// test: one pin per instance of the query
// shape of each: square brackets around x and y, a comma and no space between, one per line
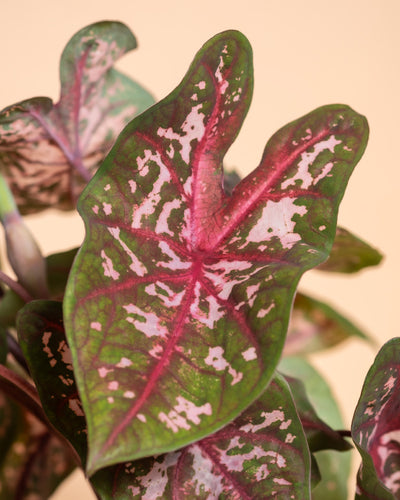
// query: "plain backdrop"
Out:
[306,54]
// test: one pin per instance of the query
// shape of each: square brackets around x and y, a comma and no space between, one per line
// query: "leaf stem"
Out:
[23,392]
[16,351]
[16,287]
[344,433]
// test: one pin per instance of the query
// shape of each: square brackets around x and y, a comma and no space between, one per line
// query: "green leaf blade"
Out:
[262,454]
[177,283]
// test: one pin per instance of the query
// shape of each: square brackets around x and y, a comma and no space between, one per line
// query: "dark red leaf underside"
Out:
[178,302]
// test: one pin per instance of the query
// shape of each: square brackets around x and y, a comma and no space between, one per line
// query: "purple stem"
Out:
[16,287]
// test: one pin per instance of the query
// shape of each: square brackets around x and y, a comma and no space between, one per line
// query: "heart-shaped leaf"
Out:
[48,152]
[376,427]
[178,302]
[314,325]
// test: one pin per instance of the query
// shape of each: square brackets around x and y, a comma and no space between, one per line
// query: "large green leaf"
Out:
[48,152]
[178,302]
[376,427]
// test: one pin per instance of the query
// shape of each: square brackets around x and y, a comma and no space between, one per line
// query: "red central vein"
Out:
[164,360]
[204,174]
[74,157]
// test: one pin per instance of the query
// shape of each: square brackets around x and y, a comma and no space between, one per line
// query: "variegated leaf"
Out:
[262,454]
[376,427]
[48,152]
[42,338]
[350,254]
[314,326]
[178,302]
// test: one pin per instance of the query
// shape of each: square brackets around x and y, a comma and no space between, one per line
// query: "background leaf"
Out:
[334,466]
[314,325]
[376,427]
[178,302]
[350,254]
[320,436]
[48,152]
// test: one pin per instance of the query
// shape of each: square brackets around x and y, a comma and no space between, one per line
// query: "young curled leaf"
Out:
[178,302]
[376,427]
[49,151]
[350,254]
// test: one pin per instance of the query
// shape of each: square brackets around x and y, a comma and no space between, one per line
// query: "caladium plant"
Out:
[153,359]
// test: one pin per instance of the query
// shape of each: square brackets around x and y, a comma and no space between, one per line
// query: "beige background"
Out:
[306,53]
